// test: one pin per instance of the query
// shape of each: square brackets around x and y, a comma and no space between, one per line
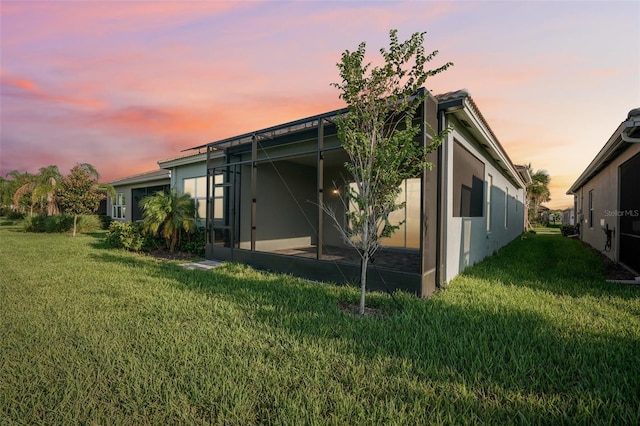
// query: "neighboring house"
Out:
[189,175]
[130,190]
[268,188]
[568,216]
[607,199]
[542,215]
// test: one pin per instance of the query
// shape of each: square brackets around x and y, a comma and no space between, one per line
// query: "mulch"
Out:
[164,254]
[612,270]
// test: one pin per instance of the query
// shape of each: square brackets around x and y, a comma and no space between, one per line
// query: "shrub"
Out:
[125,235]
[105,221]
[59,223]
[129,236]
[50,224]
[11,214]
[34,223]
[88,223]
[567,230]
[194,242]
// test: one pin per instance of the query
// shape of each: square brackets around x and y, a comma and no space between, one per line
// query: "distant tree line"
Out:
[50,193]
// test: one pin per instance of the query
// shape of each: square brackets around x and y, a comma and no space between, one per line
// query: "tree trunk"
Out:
[364,261]
[75,223]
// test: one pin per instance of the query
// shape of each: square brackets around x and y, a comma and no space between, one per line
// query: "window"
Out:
[506,208]
[591,209]
[197,188]
[218,196]
[468,183]
[119,209]
[489,189]
[407,217]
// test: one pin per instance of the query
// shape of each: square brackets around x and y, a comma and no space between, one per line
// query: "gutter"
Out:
[632,123]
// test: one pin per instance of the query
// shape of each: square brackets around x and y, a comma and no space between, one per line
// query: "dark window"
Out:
[591,209]
[468,183]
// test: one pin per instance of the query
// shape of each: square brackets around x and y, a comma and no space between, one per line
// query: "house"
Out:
[188,175]
[607,199]
[261,196]
[267,190]
[130,190]
[542,214]
[568,216]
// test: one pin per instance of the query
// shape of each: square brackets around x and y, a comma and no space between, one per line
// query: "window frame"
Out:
[591,208]
[119,206]
[200,194]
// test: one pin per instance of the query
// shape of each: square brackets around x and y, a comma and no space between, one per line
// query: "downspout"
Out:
[440,216]
[254,185]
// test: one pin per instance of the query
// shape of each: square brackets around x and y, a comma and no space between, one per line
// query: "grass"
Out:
[96,336]
[552,229]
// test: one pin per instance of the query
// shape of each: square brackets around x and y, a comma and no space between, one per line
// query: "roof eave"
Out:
[462,105]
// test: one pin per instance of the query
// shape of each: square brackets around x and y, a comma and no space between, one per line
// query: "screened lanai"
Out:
[266,208]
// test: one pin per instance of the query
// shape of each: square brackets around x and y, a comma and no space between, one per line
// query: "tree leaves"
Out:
[379,134]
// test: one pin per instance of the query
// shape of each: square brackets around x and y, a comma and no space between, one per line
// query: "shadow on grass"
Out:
[497,353]
[550,263]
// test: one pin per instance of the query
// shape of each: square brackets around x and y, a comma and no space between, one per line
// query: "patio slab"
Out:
[203,265]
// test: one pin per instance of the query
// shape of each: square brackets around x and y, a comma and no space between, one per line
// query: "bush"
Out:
[51,224]
[129,236]
[59,223]
[34,223]
[88,223]
[13,215]
[125,235]
[567,230]
[105,221]
[194,242]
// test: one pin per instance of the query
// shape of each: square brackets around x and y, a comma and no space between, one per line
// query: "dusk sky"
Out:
[123,84]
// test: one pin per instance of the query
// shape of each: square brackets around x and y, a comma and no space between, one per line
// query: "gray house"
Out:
[267,188]
[607,198]
[261,197]
[130,190]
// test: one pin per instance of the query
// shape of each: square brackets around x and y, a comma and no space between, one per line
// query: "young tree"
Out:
[80,192]
[168,213]
[379,135]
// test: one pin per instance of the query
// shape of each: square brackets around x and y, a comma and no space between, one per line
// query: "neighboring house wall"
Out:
[568,216]
[188,175]
[129,191]
[605,208]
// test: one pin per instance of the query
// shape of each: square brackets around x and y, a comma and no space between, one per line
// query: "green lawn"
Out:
[546,229]
[96,336]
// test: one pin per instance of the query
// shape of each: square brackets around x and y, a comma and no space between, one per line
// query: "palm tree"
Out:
[168,213]
[42,189]
[538,190]
[22,185]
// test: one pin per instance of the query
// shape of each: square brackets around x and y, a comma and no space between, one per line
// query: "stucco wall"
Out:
[467,240]
[127,190]
[286,213]
[605,186]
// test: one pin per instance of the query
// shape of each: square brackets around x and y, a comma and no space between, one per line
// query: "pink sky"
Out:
[123,84]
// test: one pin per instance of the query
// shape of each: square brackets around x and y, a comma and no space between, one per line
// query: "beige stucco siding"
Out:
[605,187]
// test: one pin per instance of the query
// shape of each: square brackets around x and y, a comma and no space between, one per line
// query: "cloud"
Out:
[29,90]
